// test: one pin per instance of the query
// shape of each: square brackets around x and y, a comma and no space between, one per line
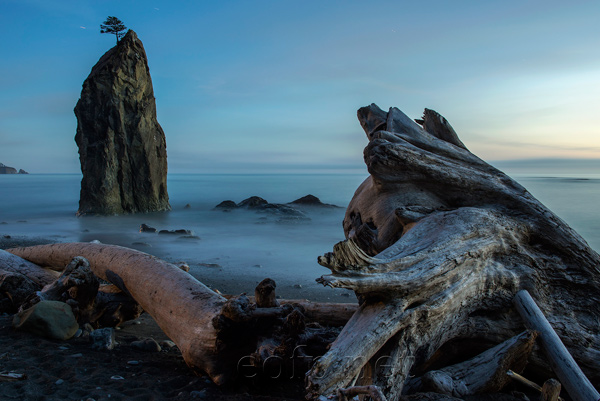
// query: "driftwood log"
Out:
[23,284]
[438,244]
[224,338]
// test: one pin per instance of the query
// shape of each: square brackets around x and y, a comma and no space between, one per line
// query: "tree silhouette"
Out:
[115,26]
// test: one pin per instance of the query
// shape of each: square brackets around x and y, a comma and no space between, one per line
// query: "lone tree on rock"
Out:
[115,26]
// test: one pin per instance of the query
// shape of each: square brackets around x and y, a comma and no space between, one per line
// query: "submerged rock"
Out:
[258,204]
[311,200]
[144,228]
[177,232]
[122,147]
[227,205]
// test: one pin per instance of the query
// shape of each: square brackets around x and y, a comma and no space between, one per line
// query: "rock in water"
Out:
[122,147]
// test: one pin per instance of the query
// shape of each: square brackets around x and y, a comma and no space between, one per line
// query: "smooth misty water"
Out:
[237,249]
[240,248]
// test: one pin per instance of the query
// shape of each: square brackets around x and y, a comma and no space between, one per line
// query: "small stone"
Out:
[95,241]
[7,236]
[133,362]
[144,228]
[187,206]
[148,344]
[78,333]
[167,344]
[175,232]
[297,286]
[79,355]
[103,339]
[259,266]
[116,377]
[59,381]
[189,237]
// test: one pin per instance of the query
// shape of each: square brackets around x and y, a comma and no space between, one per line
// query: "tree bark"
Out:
[438,243]
[214,334]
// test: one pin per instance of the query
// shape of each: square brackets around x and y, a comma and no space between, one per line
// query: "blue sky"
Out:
[273,86]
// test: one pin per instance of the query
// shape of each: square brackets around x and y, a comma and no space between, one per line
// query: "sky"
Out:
[273,86]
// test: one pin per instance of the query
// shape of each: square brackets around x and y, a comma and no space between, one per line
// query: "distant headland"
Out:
[11,170]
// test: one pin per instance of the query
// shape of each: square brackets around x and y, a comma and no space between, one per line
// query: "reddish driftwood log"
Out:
[438,243]
[213,333]
[181,305]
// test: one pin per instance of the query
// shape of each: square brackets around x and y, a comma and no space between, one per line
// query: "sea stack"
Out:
[122,147]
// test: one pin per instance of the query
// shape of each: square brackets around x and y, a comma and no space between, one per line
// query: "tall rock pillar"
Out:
[122,147]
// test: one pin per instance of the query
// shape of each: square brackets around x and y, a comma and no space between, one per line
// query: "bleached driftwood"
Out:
[14,264]
[214,334]
[438,243]
[484,373]
[577,385]
[19,279]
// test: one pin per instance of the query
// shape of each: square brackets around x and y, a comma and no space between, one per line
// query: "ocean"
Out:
[238,249]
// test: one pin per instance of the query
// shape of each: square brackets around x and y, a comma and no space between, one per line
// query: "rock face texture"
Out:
[122,147]
[4,169]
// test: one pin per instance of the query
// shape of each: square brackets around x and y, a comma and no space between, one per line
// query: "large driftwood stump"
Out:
[438,244]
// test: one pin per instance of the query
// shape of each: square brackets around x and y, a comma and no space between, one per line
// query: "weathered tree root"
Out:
[438,243]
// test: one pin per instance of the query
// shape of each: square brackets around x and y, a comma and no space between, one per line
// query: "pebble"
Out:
[148,344]
[62,347]
[103,339]
[167,344]
[78,333]
[133,362]
[297,286]
[59,381]
[117,377]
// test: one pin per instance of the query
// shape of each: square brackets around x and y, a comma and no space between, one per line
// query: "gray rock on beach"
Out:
[103,339]
[51,319]
[148,344]
[122,147]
